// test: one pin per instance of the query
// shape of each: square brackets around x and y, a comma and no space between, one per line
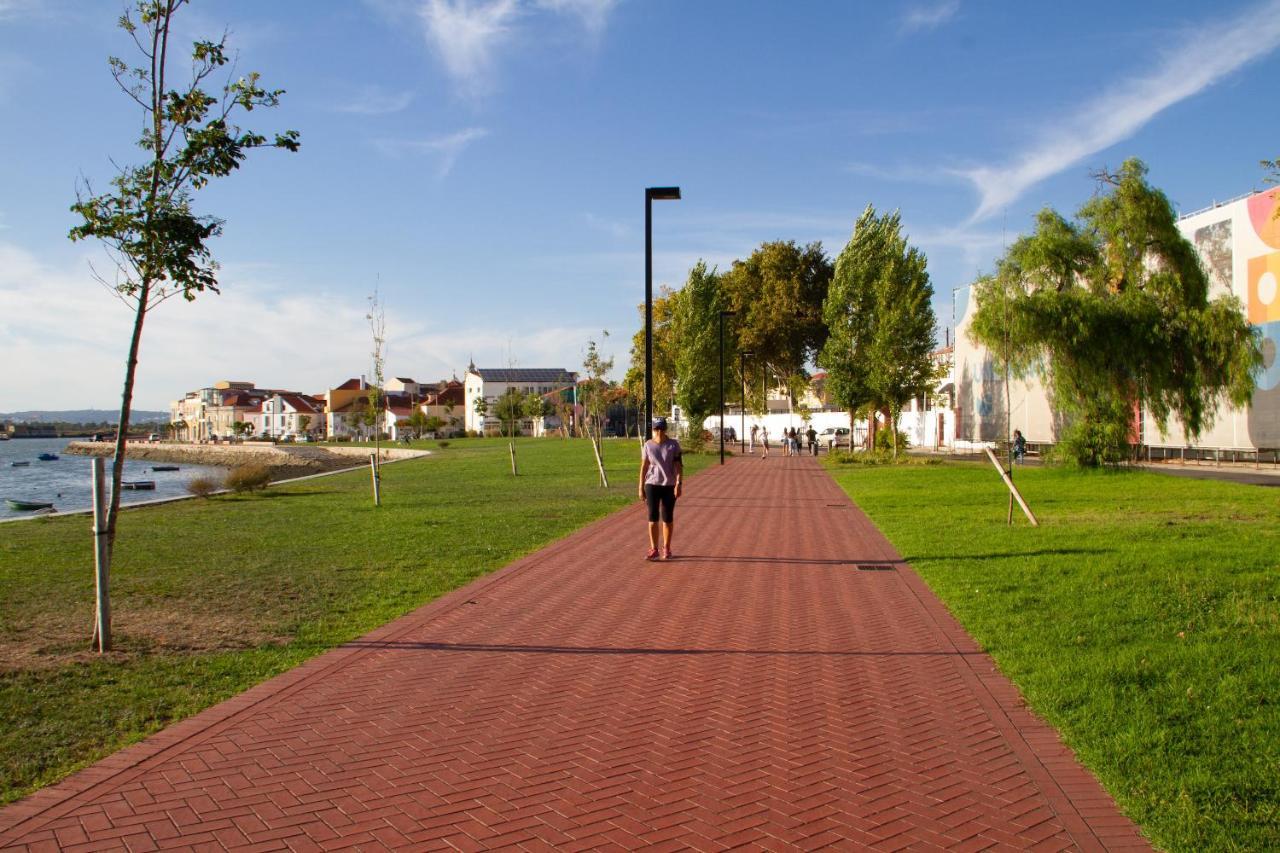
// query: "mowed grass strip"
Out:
[212,596]
[1142,619]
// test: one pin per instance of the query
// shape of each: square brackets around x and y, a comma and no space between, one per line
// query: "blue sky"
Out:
[483,163]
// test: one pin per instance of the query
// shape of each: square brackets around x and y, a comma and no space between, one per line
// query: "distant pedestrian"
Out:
[661,481]
[812,435]
[751,443]
[764,442]
[1019,446]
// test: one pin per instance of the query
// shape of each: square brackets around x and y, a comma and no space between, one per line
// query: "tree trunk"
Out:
[101,638]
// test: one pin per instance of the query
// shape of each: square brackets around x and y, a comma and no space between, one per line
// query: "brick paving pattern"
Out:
[785,683]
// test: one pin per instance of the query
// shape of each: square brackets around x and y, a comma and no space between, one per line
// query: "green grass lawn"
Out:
[1142,619]
[213,596]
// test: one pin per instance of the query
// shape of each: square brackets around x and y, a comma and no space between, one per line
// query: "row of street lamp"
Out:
[652,194]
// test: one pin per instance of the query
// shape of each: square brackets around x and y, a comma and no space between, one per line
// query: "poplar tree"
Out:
[880,321]
[146,220]
[1112,310]
[695,330]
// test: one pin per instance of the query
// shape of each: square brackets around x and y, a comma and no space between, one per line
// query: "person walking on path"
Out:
[812,435]
[751,442]
[764,442]
[1019,446]
[661,481]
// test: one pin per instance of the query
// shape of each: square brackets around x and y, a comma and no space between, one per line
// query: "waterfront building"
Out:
[490,383]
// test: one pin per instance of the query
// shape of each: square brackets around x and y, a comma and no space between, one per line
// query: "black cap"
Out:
[660,423]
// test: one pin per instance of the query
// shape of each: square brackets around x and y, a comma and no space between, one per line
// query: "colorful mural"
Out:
[1263,307]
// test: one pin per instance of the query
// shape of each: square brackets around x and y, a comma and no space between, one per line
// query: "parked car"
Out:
[833,437]
[155,436]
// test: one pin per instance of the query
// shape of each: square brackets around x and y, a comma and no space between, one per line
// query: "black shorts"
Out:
[664,496]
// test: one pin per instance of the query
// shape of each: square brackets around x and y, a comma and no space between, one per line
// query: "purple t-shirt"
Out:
[662,462]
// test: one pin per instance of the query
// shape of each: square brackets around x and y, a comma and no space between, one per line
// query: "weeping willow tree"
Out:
[1113,311]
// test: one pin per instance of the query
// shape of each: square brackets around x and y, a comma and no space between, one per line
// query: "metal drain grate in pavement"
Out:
[876,567]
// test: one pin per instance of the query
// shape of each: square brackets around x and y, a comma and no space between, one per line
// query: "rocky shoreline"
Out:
[283,460]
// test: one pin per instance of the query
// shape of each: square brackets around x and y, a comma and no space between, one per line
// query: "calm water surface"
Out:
[68,482]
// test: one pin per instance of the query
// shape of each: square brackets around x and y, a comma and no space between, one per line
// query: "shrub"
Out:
[202,487]
[247,478]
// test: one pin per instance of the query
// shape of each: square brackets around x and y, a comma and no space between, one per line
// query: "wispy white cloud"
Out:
[56,322]
[13,9]
[467,36]
[928,16]
[593,14]
[607,226]
[904,174]
[1203,57]
[445,148]
[374,100]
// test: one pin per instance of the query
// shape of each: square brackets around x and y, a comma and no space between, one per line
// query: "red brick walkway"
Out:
[762,690]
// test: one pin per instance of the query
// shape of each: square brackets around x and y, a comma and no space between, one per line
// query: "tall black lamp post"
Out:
[743,355]
[723,314]
[661,194]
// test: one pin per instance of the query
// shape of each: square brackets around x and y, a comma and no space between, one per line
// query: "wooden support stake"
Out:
[101,560]
[1013,490]
[604,480]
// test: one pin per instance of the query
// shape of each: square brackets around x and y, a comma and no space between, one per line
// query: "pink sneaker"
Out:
[652,555]
[667,555]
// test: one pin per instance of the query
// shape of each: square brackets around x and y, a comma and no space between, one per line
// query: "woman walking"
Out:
[661,481]
[764,442]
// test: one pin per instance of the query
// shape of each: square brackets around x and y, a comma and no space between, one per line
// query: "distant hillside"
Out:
[82,416]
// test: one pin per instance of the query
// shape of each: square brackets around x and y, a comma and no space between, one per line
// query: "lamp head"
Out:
[663,193]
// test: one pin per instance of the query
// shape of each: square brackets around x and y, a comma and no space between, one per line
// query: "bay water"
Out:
[67,482]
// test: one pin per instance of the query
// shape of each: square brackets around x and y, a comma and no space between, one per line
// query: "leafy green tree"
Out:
[664,355]
[146,220]
[304,422]
[880,321]
[778,294]
[1113,311]
[241,428]
[695,331]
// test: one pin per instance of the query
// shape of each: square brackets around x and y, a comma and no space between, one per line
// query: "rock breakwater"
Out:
[283,460]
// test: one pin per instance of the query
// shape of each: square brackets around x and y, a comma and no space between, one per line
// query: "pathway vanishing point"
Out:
[786,683]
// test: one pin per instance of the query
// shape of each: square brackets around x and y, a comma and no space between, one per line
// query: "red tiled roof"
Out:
[349,385]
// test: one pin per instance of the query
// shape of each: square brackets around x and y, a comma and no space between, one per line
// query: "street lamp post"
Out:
[742,371]
[723,314]
[662,194]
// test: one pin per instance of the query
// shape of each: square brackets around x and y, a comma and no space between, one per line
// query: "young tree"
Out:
[146,220]
[241,428]
[1113,311]
[595,400]
[304,422]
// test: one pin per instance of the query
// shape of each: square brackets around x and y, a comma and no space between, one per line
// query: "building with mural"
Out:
[1239,245]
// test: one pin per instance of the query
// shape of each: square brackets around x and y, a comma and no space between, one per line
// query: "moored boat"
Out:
[48,457]
[164,468]
[139,485]
[21,464]
[27,506]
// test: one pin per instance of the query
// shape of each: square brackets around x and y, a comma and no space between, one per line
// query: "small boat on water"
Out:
[164,468]
[139,485]
[22,464]
[48,457]
[27,506]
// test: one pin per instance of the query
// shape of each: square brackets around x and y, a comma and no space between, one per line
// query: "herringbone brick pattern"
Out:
[761,691]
